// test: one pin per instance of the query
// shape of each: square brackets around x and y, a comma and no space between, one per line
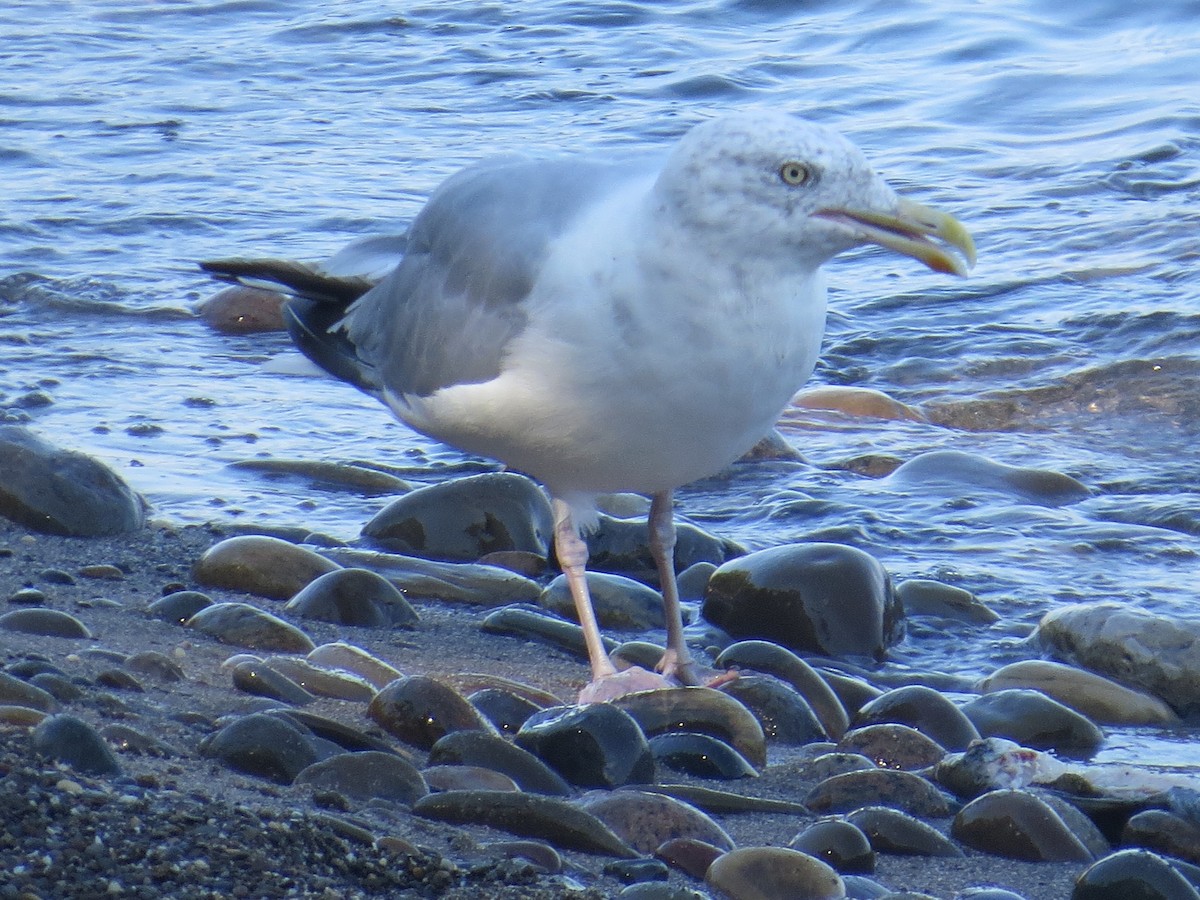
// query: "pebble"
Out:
[1133,875]
[465,518]
[74,742]
[353,597]
[503,708]
[340,655]
[924,597]
[924,709]
[1034,720]
[955,470]
[688,855]
[892,831]
[893,746]
[537,625]
[480,748]
[260,565]
[338,475]
[102,572]
[901,790]
[853,693]
[419,710]
[179,606]
[1101,699]
[263,746]
[22,716]
[243,625]
[130,740]
[322,681]
[1163,832]
[450,582]
[467,778]
[783,713]
[539,853]
[28,597]
[16,692]
[47,622]
[716,801]
[1018,825]
[262,681]
[770,873]
[838,844]
[157,665]
[121,681]
[1148,651]
[60,687]
[620,603]
[698,709]
[700,755]
[598,745]
[528,815]
[347,737]
[773,659]
[836,763]
[646,820]
[243,310]
[812,598]
[62,492]
[622,545]
[368,775]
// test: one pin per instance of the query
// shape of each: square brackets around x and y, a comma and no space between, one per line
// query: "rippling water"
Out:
[138,137]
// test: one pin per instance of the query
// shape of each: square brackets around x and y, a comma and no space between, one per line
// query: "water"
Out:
[136,138]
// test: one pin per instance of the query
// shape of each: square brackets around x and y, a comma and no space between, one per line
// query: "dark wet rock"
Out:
[621,604]
[1101,699]
[479,748]
[62,492]
[119,680]
[243,310]
[419,710]
[924,597]
[125,739]
[634,871]
[658,890]
[637,653]
[74,742]
[322,681]
[893,746]
[262,681]
[353,597]
[698,709]
[263,746]
[366,776]
[1163,832]
[716,801]
[16,692]
[426,579]
[28,668]
[504,709]
[688,855]
[892,831]
[1017,825]
[646,820]
[924,709]
[1133,875]
[814,598]
[784,714]
[762,872]
[538,625]
[772,659]
[622,545]
[836,843]
[243,625]
[692,581]
[700,755]
[1149,651]
[179,606]
[337,475]
[340,655]
[466,518]
[260,565]
[529,815]
[469,682]
[47,622]
[901,790]
[1033,720]
[1077,821]
[467,778]
[344,736]
[156,665]
[943,471]
[854,693]
[598,745]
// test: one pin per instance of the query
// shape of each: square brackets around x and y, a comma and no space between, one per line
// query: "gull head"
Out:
[771,186]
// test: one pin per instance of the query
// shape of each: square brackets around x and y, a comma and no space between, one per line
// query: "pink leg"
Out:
[677,661]
[572,553]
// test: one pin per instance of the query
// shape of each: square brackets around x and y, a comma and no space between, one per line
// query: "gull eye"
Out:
[795,173]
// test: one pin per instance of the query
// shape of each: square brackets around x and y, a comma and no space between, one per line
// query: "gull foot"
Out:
[627,681]
[691,674]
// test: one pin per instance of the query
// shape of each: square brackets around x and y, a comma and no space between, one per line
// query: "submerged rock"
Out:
[959,471]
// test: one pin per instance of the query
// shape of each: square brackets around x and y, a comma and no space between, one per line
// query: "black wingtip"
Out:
[311,324]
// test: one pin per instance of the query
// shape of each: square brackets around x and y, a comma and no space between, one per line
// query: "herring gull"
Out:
[613,326]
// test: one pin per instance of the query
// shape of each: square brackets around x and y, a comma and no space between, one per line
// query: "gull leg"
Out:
[607,683]
[572,553]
